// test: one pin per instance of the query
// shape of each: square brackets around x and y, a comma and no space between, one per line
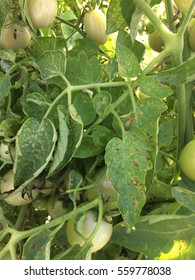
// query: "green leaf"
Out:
[184,193]
[5,7]
[128,9]
[7,55]
[101,102]
[62,143]
[35,106]
[9,128]
[75,126]
[35,247]
[184,73]
[88,148]
[128,161]
[115,19]
[152,108]
[152,87]
[128,65]
[5,85]
[73,4]
[35,144]
[83,70]
[84,106]
[102,135]
[161,237]
[166,133]
[52,64]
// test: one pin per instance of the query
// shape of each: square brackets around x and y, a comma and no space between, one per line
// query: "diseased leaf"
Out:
[5,7]
[115,19]
[35,247]
[35,106]
[83,70]
[182,74]
[161,237]
[152,87]
[101,102]
[84,106]
[52,64]
[35,144]
[128,161]
[128,65]
[5,85]
[62,143]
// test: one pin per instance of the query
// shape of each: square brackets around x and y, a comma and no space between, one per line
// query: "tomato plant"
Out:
[97,122]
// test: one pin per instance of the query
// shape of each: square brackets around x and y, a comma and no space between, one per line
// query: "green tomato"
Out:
[155,41]
[5,152]
[95,26]
[15,37]
[101,237]
[55,207]
[183,5]
[41,12]
[40,203]
[15,198]
[187,160]
[192,38]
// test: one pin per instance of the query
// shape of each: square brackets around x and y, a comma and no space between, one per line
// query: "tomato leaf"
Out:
[162,237]
[84,106]
[62,143]
[35,144]
[75,126]
[5,85]
[115,19]
[179,75]
[35,106]
[152,87]
[88,148]
[101,102]
[128,161]
[184,193]
[35,247]
[52,64]
[82,70]
[5,7]
[128,65]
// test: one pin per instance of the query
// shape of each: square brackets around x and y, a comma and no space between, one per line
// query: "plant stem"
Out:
[170,14]
[21,216]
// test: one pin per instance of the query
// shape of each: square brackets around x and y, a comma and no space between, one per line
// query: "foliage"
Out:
[70,107]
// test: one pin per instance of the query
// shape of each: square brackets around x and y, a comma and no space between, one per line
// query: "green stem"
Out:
[119,123]
[21,216]
[17,236]
[170,14]
[76,27]
[159,58]
[186,20]
[151,15]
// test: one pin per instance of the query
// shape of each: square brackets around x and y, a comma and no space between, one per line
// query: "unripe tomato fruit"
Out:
[155,41]
[15,37]
[183,5]
[55,207]
[95,26]
[101,237]
[42,12]
[192,35]
[16,199]
[5,153]
[187,160]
